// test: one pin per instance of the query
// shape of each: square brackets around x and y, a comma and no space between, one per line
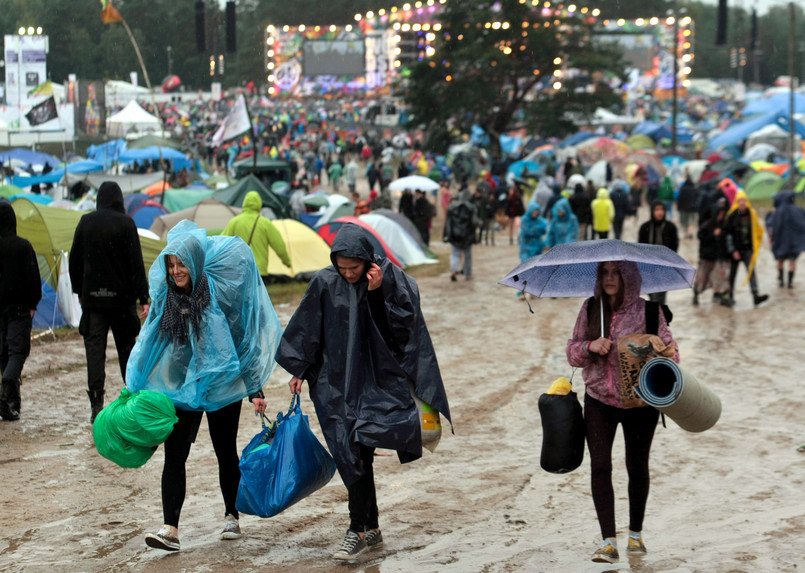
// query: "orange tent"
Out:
[156,188]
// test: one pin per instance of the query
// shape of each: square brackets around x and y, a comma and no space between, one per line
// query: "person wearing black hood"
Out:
[108,275]
[20,292]
[359,339]
[658,231]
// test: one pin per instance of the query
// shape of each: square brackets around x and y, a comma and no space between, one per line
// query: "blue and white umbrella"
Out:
[570,270]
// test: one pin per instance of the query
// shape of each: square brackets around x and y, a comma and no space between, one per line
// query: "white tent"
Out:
[131,117]
[397,238]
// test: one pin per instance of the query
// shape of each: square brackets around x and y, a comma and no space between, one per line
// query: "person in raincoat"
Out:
[786,225]
[209,342]
[564,226]
[603,213]
[359,339]
[533,228]
[258,232]
[744,237]
[617,291]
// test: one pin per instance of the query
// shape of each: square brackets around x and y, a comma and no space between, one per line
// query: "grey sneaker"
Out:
[162,539]
[231,528]
[373,538]
[607,553]
[351,547]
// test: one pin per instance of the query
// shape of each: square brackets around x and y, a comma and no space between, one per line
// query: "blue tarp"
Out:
[510,145]
[48,314]
[576,138]
[28,156]
[108,153]
[153,154]
[736,134]
[84,166]
[777,102]
[660,131]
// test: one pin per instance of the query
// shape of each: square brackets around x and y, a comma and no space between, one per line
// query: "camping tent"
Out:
[234,194]
[736,134]
[50,231]
[339,206]
[131,117]
[330,230]
[146,212]
[406,224]
[177,199]
[307,250]
[396,237]
[210,214]
[775,103]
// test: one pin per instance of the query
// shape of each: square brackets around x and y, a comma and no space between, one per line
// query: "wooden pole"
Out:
[791,86]
[153,102]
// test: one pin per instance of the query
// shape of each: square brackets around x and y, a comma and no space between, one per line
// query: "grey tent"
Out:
[234,194]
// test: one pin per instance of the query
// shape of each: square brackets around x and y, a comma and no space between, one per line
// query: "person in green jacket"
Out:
[258,232]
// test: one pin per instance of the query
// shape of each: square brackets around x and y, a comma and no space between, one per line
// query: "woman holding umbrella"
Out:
[594,347]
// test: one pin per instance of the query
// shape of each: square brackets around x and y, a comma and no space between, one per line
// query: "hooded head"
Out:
[532,210]
[352,243]
[784,197]
[631,282]
[602,193]
[657,210]
[188,245]
[561,210]
[8,219]
[252,202]
[110,197]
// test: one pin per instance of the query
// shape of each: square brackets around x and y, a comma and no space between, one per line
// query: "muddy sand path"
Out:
[729,499]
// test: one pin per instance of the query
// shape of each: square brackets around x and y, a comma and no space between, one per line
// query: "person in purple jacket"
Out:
[617,288]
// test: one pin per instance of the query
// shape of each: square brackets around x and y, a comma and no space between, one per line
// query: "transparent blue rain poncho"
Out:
[232,354]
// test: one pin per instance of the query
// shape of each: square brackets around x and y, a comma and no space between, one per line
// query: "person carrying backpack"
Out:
[459,231]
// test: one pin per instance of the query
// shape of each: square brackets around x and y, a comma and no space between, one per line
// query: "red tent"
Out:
[329,230]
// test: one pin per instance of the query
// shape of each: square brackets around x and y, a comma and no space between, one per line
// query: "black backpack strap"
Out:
[653,316]
[590,302]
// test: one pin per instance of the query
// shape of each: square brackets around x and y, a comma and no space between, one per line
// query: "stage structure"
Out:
[368,55]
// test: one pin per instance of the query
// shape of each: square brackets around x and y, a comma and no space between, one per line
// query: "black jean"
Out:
[362,496]
[94,327]
[601,422]
[223,425]
[15,346]
[746,258]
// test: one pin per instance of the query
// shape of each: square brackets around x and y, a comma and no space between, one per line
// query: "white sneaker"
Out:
[231,528]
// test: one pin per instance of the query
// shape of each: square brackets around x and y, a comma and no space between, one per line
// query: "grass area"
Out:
[290,292]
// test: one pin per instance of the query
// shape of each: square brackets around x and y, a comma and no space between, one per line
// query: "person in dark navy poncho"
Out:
[359,339]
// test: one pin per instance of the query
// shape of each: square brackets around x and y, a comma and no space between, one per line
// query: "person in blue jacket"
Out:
[209,342]
[564,227]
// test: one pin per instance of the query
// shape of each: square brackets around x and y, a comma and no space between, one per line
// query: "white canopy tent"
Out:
[131,118]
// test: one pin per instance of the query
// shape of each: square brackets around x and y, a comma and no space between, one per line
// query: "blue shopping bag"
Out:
[282,464]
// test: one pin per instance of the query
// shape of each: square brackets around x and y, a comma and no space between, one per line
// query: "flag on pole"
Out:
[43,112]
[236,123]
[45,88]
[109,13]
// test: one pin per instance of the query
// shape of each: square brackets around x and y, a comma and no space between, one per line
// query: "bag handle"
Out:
[294,405]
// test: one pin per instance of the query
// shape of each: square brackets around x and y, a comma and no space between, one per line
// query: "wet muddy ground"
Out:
[725,500]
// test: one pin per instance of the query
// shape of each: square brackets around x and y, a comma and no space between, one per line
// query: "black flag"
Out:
[42,113]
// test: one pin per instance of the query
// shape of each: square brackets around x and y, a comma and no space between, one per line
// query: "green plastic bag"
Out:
[129,429]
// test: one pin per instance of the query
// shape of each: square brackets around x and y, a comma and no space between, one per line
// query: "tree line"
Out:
[83,45]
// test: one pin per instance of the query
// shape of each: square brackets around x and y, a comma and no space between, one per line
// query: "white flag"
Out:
[236,123]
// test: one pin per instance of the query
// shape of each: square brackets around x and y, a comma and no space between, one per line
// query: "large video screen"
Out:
[638,49]
[334,57]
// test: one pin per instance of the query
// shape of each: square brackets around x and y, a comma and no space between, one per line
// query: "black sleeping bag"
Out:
[562,433]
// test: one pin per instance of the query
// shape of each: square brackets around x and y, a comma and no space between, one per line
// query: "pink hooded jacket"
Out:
[602,374]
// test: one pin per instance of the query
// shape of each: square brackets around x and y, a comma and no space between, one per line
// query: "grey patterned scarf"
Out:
[180,307]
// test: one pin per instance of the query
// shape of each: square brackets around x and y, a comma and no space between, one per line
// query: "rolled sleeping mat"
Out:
[667,386]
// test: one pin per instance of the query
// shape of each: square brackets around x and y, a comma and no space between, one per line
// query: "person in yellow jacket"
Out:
[258,232]
[603,214]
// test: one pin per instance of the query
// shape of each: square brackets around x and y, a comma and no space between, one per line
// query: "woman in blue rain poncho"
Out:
[208,342]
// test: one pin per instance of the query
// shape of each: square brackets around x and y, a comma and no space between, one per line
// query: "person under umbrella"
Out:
[594,348]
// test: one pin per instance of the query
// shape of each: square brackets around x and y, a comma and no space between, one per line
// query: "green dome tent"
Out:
[50,231]
[234,194]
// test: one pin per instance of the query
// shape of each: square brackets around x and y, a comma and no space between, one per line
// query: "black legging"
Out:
[223,425]
[601,422]
[362,496]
